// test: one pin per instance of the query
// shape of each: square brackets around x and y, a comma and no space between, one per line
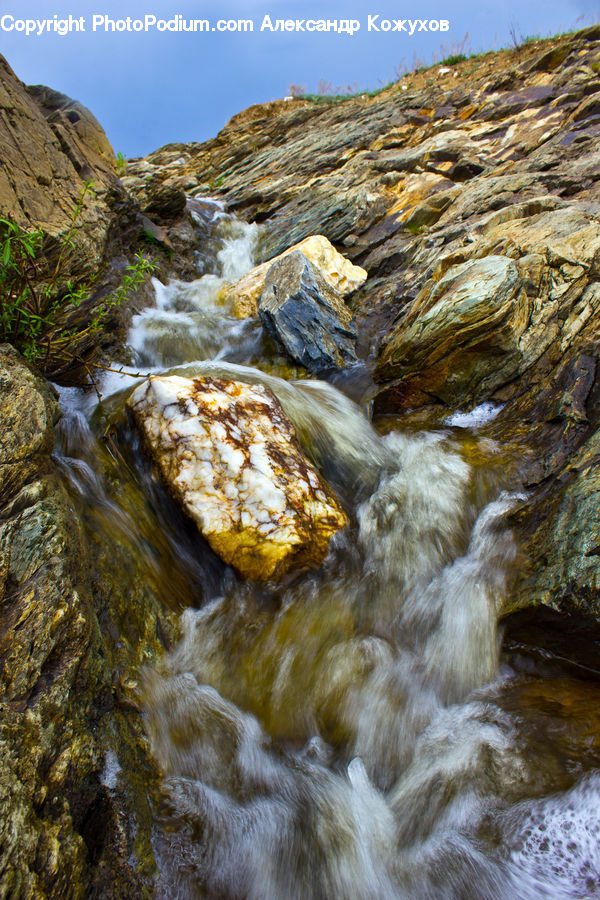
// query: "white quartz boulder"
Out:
[230,456]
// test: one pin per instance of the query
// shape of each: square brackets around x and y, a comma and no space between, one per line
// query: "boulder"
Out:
[338,272]
[461,337]
[50,147]
[165,203]
[230,457]
[306,317]
[563,543]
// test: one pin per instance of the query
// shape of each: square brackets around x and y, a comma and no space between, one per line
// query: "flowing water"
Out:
[355,732]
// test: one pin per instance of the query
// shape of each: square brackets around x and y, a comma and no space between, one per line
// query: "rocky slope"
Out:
[472,199]
[59,175]
[471,195]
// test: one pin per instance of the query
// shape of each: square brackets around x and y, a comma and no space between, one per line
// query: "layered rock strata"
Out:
[471,195]
[306,317]
[73,633]
[338,272]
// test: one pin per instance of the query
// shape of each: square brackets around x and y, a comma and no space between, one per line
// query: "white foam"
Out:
[110,773]
[556,842]
[476,418]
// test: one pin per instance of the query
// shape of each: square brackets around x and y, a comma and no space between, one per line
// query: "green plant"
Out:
[135,275]
[121,162]
[453,60]
[38,308]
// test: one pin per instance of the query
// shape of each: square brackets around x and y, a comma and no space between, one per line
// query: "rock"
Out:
[59,177]
[305,316]
[81,134]
[47,139]
[565,547]
[29,410]
[230,456]
[435,352]
[337,271]
[165,204]
[62,831]
[420,182]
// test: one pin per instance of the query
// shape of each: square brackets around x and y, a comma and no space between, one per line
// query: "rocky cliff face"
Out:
[74,630]
[471,195]
[52,147]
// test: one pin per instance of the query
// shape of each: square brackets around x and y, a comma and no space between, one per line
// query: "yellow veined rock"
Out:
[230,456]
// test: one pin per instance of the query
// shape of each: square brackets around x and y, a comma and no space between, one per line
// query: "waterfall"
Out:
[344,734]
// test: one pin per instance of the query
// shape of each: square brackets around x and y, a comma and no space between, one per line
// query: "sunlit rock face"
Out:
[338,272]
[230,456]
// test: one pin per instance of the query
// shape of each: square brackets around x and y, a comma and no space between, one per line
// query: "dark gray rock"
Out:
[165,203]
[306,317]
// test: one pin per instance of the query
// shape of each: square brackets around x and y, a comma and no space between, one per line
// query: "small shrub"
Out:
[37,307]
[121,162]
[453,60]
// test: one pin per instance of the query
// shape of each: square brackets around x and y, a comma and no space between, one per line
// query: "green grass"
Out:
[454,60]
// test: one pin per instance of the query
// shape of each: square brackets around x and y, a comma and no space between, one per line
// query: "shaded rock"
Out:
[465,169]
[62,831]
[165,204]
[230,456]
[461,335]
[337,271]
[306,317]
[29,410]
[564,548]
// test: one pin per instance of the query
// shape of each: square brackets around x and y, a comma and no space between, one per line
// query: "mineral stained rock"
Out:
[305,316]
[229,455]
[337,271]
[62,831]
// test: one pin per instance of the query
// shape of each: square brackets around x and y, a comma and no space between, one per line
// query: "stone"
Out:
[165,204]
[435,351]
[62,831]
[564,547]
[49,139]
[230,456]
[337,271]
[305,317]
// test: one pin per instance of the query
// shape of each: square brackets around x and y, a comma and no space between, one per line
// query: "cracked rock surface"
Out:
[229,454]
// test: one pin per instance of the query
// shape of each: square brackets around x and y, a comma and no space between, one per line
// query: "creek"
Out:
[359,731]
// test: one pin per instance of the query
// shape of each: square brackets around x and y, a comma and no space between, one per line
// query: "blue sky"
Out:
[150,89]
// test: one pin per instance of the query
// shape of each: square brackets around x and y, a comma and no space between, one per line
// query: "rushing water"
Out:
[353,732]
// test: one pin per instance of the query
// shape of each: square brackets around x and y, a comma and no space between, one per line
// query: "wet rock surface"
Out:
[306,317]
[487,165]
[338,272]
[473,202]
[229,455]
[65,830]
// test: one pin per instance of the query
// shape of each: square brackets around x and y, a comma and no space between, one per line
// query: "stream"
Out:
[359,731]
